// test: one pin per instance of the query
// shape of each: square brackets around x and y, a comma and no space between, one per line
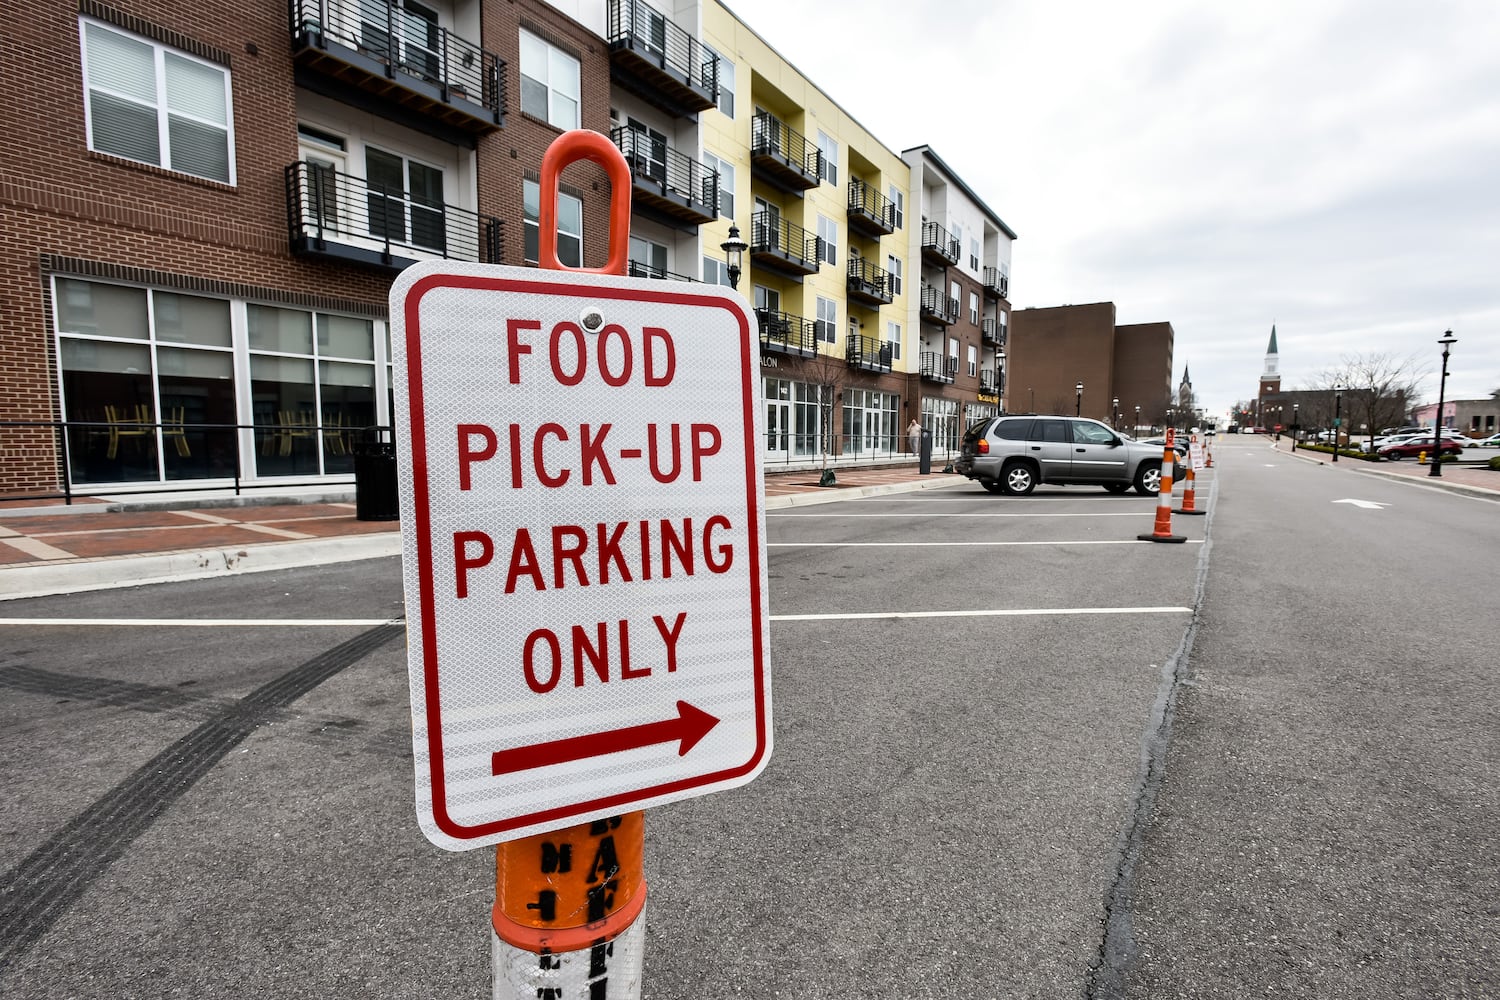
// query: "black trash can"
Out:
[924,458]
[375,494]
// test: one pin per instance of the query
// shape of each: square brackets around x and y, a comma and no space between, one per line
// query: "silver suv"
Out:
[1012,454]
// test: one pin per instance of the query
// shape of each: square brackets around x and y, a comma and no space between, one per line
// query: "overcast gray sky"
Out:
[1330,166]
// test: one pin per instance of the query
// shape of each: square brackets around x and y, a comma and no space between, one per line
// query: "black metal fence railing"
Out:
[938,367]
[865,200]
[678,51]
[636,269]
[770,136]
[674,171]
[787,331]
[990,381]
[325,206]
[772,233]
[937,306]
[868,352]
[176,456]
[865,277]
[997,279]
[406,42]
[939,242]
[843,449]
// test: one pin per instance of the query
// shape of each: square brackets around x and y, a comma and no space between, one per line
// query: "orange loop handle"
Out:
[569,148]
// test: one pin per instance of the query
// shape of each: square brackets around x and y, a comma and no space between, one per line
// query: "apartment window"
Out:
[953,300]
[549,82]
[153,104]
[726,82]
[569,225]
[827,321]
[973,254]
[958,237]
[973,361]
[893,265]
[828,240]
[404,200]
[952,355]
[715,271]
[647,258]
[893,337]
[726,183]
[974,308]
[829,169]
[899,201]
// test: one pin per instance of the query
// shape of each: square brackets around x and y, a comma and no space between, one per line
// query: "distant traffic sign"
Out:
[579,461]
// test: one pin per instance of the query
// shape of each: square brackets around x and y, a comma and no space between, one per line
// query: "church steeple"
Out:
[1270,378]
[1271,348]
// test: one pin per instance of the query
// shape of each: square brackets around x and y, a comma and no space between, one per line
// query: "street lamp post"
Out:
[1031,408]
[1114,408]
[1296,425]
[1000,377]
[1338,402]
[734,255]
[1448,340]
[1078,405]
[1137,429]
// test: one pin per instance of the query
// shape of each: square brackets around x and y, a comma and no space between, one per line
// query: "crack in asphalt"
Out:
[1117,948]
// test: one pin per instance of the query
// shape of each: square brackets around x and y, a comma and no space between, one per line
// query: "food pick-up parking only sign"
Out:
[584,554]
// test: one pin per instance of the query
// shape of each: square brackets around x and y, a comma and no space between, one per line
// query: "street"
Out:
[1018,753]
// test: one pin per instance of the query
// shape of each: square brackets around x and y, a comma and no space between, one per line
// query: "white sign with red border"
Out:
[584,545]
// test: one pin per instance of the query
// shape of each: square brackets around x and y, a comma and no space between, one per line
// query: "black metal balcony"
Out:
[990,381]
[637,269]
[938,368]
[937,308]
[395,63]
[996,283]
[787,333]
[651,56]
[782,156]
[938,245]
[992,332]
[870,212]
[666,182]
[868,283]
[868,353]
[330,214]
[782,245]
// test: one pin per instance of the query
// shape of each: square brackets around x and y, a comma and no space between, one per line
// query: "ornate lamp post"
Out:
[1000,377]
[1338,402]
[1114,407]
[1137,429]
[1296,425]
[1448,340]
[1078,405]
[734,255]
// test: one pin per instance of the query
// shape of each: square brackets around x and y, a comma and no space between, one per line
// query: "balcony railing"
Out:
[868,283]
[990,381]
[782,245]
[992,332]
[938,308]
[787,333]
[393,56]
[937,367]
[997,282]
[336,215]
[868,353]
[782,156]
[870,212]
[658,60]
[938,245]
[637,269]
[666,181]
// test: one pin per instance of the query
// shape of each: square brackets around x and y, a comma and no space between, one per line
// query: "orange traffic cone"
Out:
[1188,492]
[1163,529]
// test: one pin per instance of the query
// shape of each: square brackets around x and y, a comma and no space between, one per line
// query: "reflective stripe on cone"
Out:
[1163,528]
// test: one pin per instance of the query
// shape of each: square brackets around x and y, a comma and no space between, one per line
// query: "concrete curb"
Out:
[856,492]
[1365,468]
[76,576]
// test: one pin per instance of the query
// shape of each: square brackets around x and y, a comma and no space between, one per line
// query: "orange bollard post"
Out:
[1163,528]
[568,904]
[1188,492]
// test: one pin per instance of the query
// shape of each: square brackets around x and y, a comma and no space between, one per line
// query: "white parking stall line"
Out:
[968,544]
[210,622]
[983,613]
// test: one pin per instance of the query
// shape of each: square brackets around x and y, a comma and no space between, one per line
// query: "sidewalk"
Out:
[101,542]
[1475,480]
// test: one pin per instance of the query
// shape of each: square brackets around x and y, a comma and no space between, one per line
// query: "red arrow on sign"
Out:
[690,726]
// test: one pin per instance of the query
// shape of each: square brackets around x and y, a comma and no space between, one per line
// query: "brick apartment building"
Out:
[1055,350]
[202,230]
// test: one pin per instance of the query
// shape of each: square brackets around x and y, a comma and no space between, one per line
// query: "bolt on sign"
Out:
[583,545]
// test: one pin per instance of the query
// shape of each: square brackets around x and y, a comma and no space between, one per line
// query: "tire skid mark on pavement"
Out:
[42,888]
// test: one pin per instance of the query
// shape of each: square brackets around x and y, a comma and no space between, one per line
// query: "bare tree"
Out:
[1378,388]
[826,371]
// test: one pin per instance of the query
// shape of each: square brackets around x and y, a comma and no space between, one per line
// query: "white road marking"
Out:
[1365,504]
[920,545]
[210,622]
[990,613]
[1117,513]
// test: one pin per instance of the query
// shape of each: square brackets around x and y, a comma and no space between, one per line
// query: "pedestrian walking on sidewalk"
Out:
[914,435]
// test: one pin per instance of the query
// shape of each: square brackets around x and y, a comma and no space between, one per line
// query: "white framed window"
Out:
[893,337]
[648,257]
[898,200]
[550,88]
[404,202]
[726,82]
[147,102]
[974,308]
[715,271]
[726,182]
[953,300]
[893,265]
[973,361]
[828,240]
[952,355]
[826,324]
[973,254]
[829,168]
[569,225]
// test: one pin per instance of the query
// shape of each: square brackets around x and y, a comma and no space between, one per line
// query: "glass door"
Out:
[778,419]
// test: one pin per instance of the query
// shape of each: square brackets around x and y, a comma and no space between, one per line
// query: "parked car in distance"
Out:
[1493,441]
[1412,447]
[1179,445]
[1013,454]
[1462,440]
